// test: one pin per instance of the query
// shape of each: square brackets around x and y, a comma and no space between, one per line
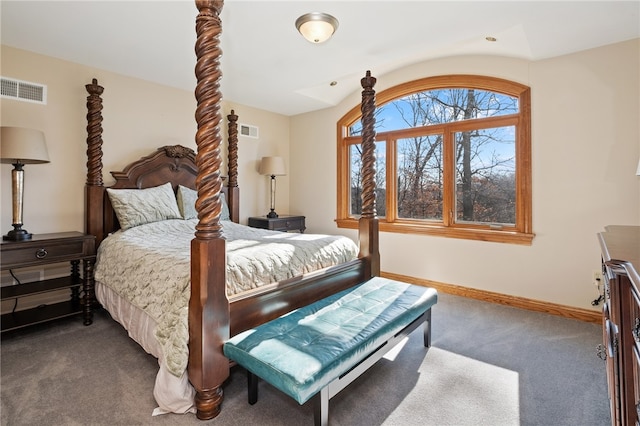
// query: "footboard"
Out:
[253,308]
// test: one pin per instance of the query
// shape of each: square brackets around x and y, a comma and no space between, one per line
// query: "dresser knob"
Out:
[41,253]
[636,330]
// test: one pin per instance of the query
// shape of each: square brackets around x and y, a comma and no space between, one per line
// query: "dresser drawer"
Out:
[634,312]
[636,380]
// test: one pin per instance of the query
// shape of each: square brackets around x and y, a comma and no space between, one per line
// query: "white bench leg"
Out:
[321,407]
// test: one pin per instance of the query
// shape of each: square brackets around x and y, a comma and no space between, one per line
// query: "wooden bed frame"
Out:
[213,317]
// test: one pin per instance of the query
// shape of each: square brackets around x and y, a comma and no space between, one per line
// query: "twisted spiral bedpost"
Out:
[233,148]
[94,187]
[368,146]
[94,133]
[232,165]
[208,305]
[208,117]
[368,224]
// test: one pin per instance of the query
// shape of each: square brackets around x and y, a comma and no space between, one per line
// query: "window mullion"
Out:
[448,176]
[392,180]
[344,179]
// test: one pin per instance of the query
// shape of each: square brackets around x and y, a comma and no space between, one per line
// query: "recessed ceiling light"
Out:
[333,83]
[491,38]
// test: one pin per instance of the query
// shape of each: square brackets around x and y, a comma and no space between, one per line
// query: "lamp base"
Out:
[17,234]
[272,214]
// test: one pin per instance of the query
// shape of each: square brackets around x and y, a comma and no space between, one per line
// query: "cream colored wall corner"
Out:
[139,116]
[586,145]
[273,140]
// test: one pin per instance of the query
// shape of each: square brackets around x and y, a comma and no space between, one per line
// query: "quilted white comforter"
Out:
[150,266]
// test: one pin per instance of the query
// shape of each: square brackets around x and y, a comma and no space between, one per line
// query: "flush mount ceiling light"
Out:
[317,27]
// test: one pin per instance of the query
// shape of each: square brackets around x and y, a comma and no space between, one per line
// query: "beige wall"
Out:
[139,117]
[586,146]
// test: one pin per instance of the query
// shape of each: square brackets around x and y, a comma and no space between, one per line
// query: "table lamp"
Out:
[272,166]
[20,146]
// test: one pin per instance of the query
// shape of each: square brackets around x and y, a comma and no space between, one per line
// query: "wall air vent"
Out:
[24,90]
[248,131]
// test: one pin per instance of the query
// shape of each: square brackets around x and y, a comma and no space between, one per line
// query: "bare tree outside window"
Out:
[356,180]
[420,184]
[450,156]
[485,175]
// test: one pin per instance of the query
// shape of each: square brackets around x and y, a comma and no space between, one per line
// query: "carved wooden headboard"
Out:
[175,164]
[172,163]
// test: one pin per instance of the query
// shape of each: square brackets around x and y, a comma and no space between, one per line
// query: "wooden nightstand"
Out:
[44,249]
[281,223]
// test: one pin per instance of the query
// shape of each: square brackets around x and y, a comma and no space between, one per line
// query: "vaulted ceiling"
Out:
[268,65]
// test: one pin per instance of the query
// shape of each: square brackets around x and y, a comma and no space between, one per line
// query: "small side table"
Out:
[44,249]
[282,223]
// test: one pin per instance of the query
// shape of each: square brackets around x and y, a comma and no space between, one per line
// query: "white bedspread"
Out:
[150,266]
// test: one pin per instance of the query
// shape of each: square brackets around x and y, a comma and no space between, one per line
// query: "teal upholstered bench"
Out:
[319,349]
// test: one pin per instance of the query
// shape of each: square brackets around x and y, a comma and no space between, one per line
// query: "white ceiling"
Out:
[266,64]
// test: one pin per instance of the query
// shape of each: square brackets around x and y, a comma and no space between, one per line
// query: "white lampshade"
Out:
[317,27]
[21,145]
[272,166]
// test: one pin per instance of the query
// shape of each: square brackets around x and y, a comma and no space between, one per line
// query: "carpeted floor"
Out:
[489,365]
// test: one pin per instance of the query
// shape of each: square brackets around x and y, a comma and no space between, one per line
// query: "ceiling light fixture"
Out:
[317,27]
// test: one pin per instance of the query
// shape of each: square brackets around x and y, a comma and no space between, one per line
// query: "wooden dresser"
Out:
[620,247]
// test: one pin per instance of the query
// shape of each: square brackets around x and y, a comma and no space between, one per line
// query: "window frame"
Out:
[520,233]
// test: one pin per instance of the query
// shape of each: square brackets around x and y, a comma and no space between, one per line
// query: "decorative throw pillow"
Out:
[187,203]
[224,214]
[134,207]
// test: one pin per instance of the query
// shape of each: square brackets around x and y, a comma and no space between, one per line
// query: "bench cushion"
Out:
[304,350]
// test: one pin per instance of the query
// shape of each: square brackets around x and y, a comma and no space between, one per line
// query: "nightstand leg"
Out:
[75,278]
[88,287]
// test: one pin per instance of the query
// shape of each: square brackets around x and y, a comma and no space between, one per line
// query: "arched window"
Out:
[453,159]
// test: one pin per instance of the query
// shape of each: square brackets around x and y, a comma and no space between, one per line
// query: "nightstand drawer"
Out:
[281,223]
[42,250]
[288,224]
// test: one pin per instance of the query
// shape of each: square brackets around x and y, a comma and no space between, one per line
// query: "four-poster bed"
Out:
[214,315]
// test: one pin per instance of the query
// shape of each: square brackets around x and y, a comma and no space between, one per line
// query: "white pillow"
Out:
[134,207]
[187,203]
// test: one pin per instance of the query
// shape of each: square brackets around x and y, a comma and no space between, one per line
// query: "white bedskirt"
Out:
[172,394]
